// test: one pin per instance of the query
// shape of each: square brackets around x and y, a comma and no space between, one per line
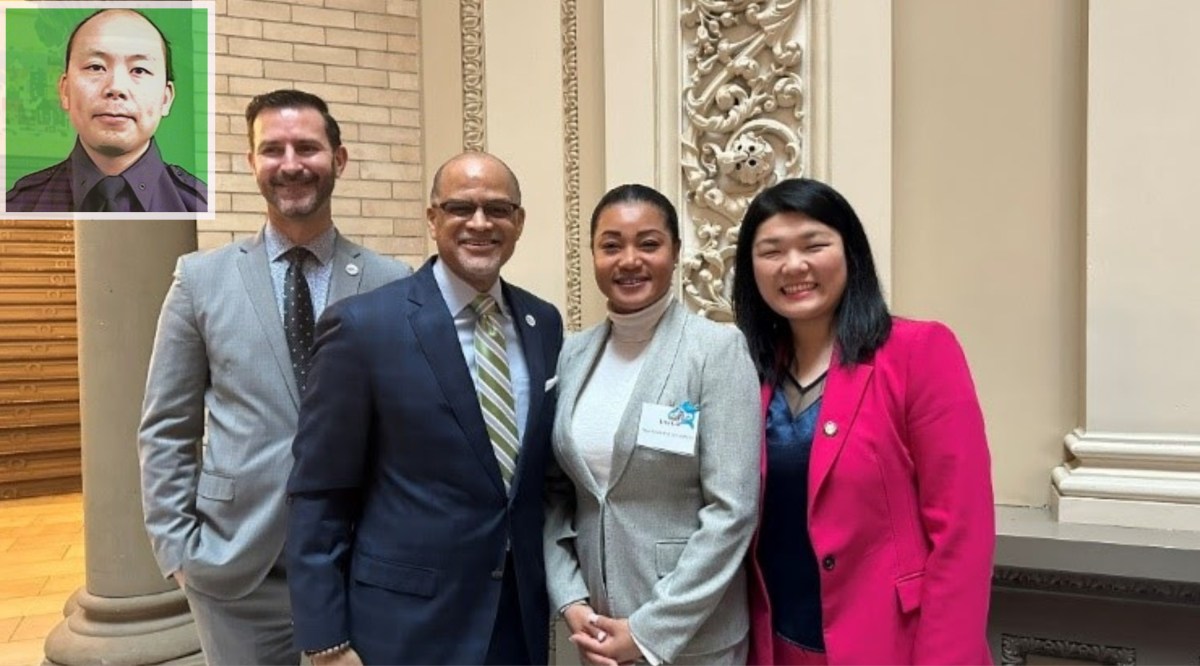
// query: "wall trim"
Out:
[1015,649]
[1097,585]
[474,105]
[1150,480]
[1149,451]
[570,81]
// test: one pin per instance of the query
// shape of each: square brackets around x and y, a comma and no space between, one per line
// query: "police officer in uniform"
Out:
[116,87]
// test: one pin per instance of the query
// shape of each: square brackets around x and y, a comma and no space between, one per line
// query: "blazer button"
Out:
[830,428]
[828,563]
[498,574]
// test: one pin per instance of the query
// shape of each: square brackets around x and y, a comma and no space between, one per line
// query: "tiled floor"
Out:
[41,564]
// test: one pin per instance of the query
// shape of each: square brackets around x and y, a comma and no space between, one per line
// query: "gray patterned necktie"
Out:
[298,318]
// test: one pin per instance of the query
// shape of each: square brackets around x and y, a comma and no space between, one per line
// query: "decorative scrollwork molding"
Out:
[1113,587]
[471,22]
[745,113]
[1015,649]
[570,81]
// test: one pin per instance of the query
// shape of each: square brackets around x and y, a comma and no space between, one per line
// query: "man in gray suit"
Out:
[230,363]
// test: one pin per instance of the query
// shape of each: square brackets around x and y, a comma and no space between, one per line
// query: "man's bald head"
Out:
[471,156]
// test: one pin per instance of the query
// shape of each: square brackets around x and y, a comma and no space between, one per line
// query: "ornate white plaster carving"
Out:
[570,80]
[1097,585]
[471,22]
[744,128]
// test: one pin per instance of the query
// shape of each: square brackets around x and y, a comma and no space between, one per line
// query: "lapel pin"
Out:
[351,269]
[530,320]
[830,428]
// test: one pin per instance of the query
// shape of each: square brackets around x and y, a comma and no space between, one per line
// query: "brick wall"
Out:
[362,57]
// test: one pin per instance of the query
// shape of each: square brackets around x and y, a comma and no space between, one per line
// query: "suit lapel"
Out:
[529,334]
[433,325]
[343,282]
[844,391]
[256,277]
[651,381]
[575,372]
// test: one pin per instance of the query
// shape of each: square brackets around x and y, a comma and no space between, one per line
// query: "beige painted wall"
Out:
[989,141]
[860,99]
[592,163]
[524,119]
[1143,242]
[441,101]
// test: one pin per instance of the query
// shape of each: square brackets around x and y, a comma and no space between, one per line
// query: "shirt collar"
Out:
[278,244]
[458,294]
[141,176]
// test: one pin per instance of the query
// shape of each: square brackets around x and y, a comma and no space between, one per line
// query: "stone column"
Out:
[1136,459]
[127,613]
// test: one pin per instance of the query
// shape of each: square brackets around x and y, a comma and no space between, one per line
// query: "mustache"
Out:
[302,179]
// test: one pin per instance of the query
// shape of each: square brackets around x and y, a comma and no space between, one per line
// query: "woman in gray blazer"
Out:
[657,431]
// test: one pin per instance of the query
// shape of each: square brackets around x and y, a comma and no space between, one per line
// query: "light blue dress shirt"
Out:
[317,273]
[458,296]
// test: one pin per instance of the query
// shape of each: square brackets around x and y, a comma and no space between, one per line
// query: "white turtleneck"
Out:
[607,390]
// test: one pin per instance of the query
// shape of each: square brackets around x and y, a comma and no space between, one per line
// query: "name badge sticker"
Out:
[670,429]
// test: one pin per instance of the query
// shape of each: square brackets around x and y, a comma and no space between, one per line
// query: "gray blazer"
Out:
[221,379]
[663,544]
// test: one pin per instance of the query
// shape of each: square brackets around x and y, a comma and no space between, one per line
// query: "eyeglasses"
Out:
[492,210]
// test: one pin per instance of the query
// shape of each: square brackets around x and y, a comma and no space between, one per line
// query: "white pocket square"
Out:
[551,383]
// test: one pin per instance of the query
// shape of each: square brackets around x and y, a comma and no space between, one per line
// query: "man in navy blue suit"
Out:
[415,528]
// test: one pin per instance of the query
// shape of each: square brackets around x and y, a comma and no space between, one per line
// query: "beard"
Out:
[313,193]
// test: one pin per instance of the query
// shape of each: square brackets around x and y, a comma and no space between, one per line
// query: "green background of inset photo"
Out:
[38,132]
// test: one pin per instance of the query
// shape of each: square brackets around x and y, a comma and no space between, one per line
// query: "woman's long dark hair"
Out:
[861,320]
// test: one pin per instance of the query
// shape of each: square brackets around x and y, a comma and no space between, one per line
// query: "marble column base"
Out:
[1125,513]
[1129,480]
[128,631]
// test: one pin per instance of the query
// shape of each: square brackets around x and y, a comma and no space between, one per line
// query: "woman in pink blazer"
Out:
[877,529]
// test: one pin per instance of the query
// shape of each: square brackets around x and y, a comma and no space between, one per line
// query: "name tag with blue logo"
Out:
[670,429]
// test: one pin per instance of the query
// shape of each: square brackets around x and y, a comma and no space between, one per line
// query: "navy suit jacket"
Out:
[399,519]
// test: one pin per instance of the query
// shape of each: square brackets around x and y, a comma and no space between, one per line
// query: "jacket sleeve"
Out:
[730,430]
[324,490]
[564,580]
[172,426]
[954,488]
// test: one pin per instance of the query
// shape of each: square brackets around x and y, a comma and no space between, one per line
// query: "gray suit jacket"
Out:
[221,380]
[663,544]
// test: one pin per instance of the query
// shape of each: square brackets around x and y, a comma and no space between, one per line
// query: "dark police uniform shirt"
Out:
[152,186]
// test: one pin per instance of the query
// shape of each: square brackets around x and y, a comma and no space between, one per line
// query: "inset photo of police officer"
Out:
[107,109]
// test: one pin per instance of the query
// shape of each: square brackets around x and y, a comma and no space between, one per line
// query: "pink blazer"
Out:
[899,508]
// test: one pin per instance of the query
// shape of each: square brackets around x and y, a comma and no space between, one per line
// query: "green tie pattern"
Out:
[495,386]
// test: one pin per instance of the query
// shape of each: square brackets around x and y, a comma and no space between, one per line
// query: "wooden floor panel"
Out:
[41,564]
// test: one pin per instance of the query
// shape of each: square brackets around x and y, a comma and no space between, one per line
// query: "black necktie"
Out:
[298,316]
[106,196]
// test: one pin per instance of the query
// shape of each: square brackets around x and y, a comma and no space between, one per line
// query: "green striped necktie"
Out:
[495,386]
